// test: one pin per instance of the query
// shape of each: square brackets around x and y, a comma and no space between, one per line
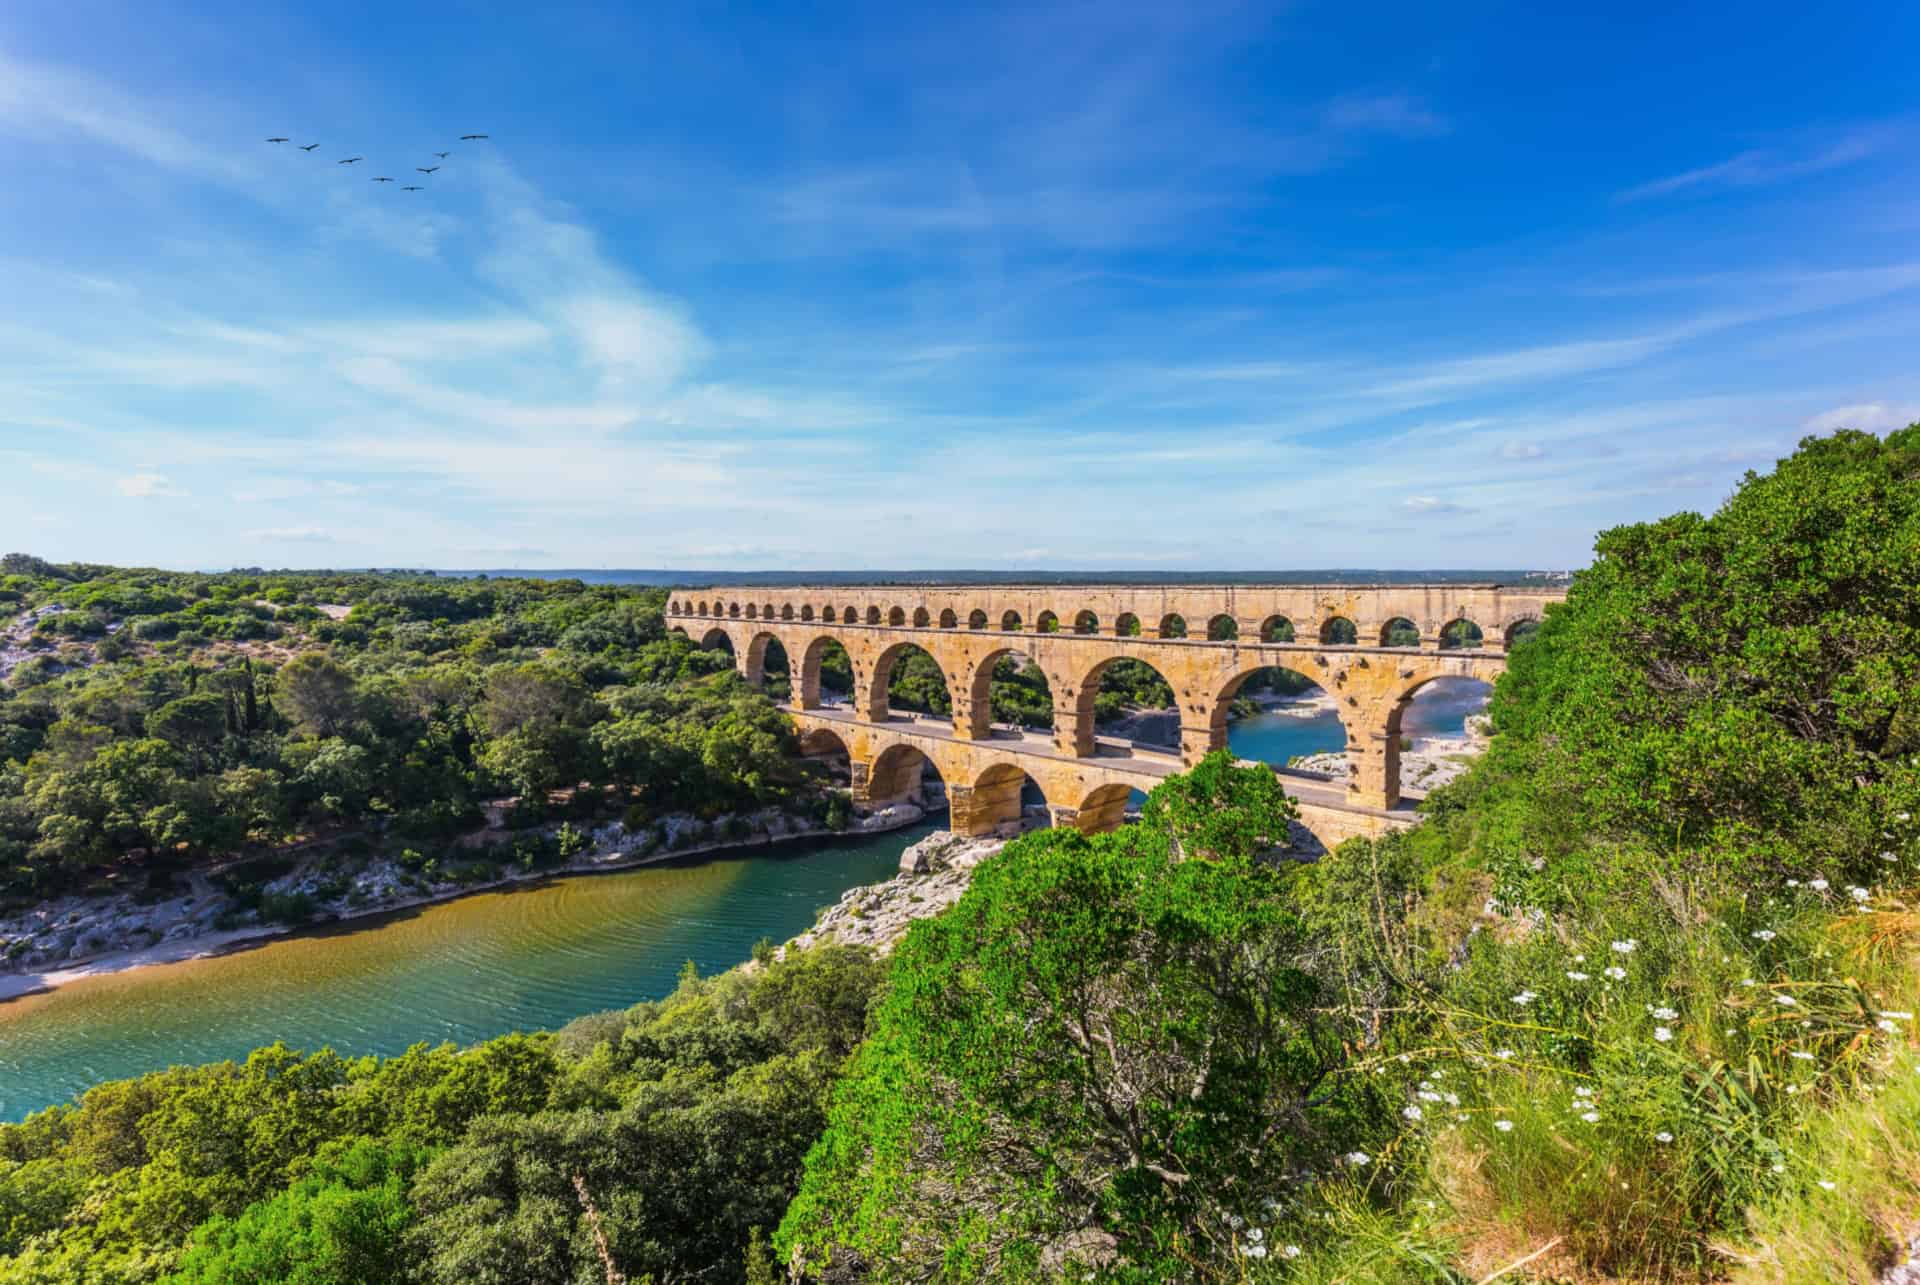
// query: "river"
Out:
[523,958]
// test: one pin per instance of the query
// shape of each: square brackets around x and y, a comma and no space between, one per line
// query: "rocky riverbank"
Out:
[933,874]
[1432,762]
[67,938]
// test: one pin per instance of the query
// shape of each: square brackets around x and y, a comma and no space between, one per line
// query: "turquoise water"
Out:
[525,958]
[1438,709]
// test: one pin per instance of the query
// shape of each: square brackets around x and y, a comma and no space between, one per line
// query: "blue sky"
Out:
[1101,285]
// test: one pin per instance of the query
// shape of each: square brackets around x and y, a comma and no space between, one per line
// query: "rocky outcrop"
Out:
[933,874]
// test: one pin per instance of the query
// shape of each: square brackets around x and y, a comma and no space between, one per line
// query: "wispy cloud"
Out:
[1401,115]
[1867,417]
[147,486]
[1761,167]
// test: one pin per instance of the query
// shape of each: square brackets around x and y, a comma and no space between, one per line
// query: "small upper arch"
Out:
[920,618]
[786,611]
[1399,632]
[1338,631]
[1046,623]
[1223,628]
[977,619]
[897,617]
[1522,629]
[1173,625]
[873,615]
[1086,623]
[947,619]
[1460,633]
[1276,629]
[806,611]
[1010,622]
[1126,625]
[733,610]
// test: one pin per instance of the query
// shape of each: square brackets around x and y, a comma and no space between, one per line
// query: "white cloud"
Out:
[1423,505]
[1868,417]
[145,486]
[1522,450]
[1760,167]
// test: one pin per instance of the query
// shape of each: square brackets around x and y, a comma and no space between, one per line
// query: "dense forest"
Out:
[1636,1002]
[154,719]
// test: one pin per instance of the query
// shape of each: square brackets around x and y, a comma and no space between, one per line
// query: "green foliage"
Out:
[1097,1025]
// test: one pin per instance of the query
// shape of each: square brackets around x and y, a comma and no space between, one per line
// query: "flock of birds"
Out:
[382,178]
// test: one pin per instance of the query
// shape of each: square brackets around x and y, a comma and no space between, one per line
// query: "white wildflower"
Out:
[1426,1095]
[1786,1001]
[1576,977]
[1801,1055]
[1887,1025]
[1664,1013]
[1357,1158]
[1618,973]
[1825,1185]
[1793,883]
[1256,1251]
[1291,1251]
[1591,1117]
[1505,1126]
[1663,1136]
[1779,1168]
[1858,893]
[1662,1034]
[1582,1091]
[1818,885]
[1624,947]
[1524,998]
[1764,934]
[1505,1055]
[1896,1015]
[1411,1112]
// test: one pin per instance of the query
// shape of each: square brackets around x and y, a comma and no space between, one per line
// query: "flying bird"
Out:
[410,188]
[443,155]
[309,147]
[383,179]
[426,169]
[350,160]
[468,138]
[276,140]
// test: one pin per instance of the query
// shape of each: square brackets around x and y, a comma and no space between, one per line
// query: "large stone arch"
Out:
[896,773]
[1073,719]
[1100,809]
[990,802]
[1221,702]
[874,704]
[973,696]
[806,687]
[754,663]
[717,638]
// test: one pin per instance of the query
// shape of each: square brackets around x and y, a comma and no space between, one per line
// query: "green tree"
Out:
[317,693]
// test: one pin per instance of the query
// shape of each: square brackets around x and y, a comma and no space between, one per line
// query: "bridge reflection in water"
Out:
[1371,649]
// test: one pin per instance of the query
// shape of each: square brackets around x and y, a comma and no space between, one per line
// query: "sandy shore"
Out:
[202,945]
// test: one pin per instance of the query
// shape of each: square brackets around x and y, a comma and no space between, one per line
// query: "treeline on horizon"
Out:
[1635,1003]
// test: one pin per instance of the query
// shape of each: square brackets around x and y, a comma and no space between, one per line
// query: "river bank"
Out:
[73,938]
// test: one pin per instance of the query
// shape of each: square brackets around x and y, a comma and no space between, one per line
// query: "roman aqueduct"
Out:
[1370,648]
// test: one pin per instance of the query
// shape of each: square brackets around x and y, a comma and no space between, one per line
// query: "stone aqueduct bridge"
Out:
[1204,640]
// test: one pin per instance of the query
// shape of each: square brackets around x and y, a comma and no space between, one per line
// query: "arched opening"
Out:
[873,615]
[753,611]
[700,610]
[1280,717]
[827,615]
[786,611]
[1046,623]
[767,665]
[1002,800]
[1338,631]
[717,640]
[907,680]
[920,618]
[1276,629]
[1223,628]
[848,616]
[1521,630]
[1434,733]
[902,774]
[826,674]
[1104,808]
[948,620]
[1127,700]
[1126,625]
[826,755]
[733,610]
[1399,632]
[1010,622]
[806,612]
[897,617]
[977,619]
[1086,623]
[1008,691]
[1173,625]
[1460,634]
